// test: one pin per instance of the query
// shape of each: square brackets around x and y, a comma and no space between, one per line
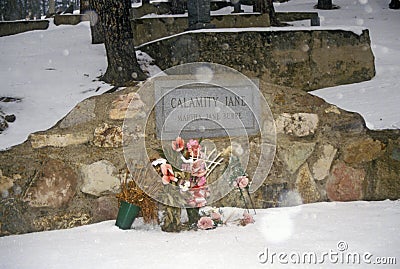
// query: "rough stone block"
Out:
[58,140]
[105,208]
[306,186]
[322,166]
[120,106]
[54,187]
[388,184]
[5,183]
[99,178]
[345,183]
[295,154]
[81,113]
[62,221]
[298,124]
[107,136]
[362,151]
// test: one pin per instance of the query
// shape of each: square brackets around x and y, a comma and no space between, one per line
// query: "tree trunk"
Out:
[36,9]
[324,4]
[95,25]
[199,14]
[44,7]
[11,11]
[177,7]
[84,6]
[394,4]
[52,7]
[118,39]
[267,6]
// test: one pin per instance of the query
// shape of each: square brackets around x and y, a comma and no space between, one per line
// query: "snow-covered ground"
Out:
[53,70]
[376,100]
[328,234]
[50,71]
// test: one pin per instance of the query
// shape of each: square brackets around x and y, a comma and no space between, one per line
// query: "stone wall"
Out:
[295,16]
[70,19]
[68,175]
[16,27]
[304,59]
[149,29]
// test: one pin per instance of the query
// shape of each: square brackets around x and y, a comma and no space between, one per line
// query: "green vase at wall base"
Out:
[126,215]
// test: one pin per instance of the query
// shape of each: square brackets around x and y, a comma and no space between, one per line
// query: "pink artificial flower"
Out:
[247,219]
[199,195]
[198,168]
[192,203]
[215,216]
[178,144]
[242,182]
[193,147]
[202,181]
[168,174]
[200,201]
[205,223]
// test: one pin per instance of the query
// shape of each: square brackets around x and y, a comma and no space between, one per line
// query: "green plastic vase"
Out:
[126,215]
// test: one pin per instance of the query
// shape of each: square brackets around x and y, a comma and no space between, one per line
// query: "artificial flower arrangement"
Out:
[193,164]
[191,167]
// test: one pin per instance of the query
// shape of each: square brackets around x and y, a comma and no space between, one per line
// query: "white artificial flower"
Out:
[159,162]
[185,186]
[190,160]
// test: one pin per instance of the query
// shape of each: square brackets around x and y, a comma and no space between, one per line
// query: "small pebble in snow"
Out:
[10,118]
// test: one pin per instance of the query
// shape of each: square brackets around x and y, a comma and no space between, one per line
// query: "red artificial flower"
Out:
[178,144]
[168,174]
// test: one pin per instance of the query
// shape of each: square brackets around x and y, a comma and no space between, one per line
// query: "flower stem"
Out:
[251,201]
[244,200]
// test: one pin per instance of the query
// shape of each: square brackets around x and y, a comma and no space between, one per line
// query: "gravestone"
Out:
[205,110]
[326,4]
[237,7]
[315,21]
[199,14]
[69,10]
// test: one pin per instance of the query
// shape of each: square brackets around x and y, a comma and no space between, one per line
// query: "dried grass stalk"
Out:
[132,193]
